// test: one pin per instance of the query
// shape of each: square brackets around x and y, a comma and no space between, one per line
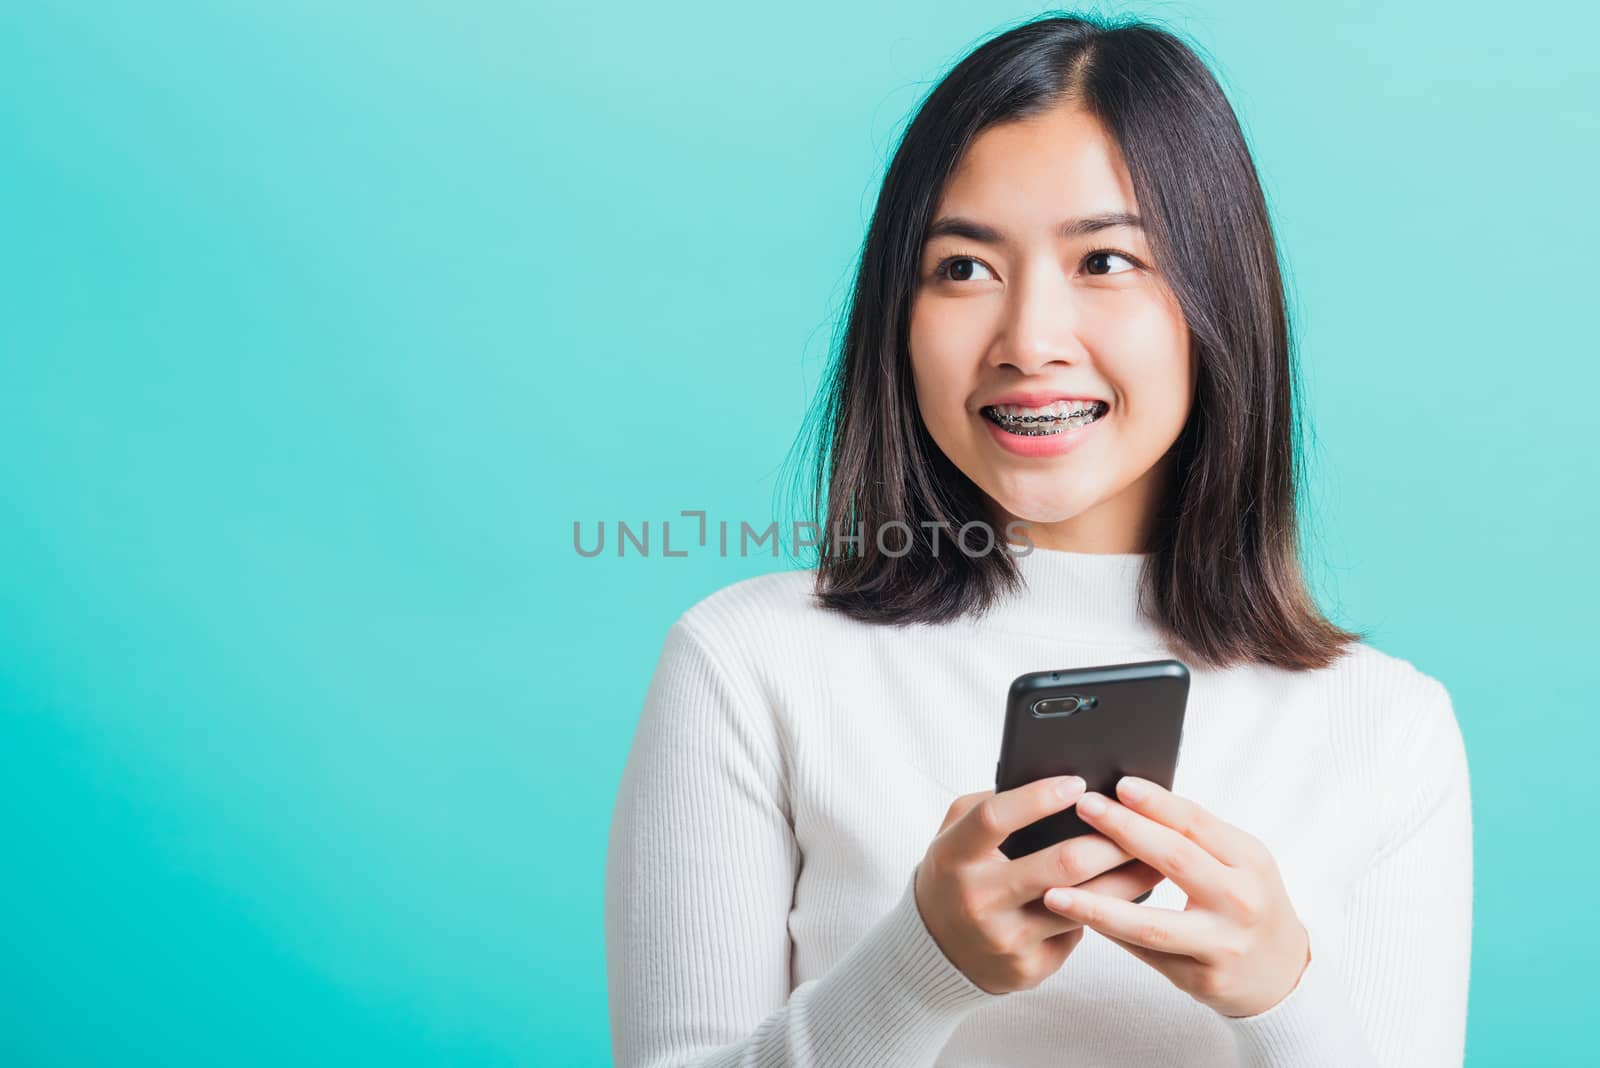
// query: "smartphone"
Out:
[1098,722]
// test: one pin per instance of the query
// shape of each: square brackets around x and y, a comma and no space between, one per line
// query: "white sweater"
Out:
[791,766]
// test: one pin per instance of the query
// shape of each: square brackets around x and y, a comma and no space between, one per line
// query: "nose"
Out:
[1039,328]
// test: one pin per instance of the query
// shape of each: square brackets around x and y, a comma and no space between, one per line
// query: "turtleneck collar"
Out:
[1095,595]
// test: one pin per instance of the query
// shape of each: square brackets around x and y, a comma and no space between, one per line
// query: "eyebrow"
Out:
[956,226]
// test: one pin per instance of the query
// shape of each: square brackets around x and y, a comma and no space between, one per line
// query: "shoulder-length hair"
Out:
[1224,581]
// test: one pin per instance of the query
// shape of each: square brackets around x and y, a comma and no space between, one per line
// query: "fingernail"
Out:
[1134,789]
[1058,899]
[1069,787]
[1093,804]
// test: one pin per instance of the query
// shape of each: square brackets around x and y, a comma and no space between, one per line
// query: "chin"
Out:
[1034,510]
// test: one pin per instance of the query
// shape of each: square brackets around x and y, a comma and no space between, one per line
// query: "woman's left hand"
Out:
[1237,945]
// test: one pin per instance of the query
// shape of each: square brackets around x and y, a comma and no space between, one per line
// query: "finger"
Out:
[983,826]
[1221,839]
[1167,930]
[1126,882]
[1180,859]
[1067,942]
[1042,923]
[1067,863]
[1182,970]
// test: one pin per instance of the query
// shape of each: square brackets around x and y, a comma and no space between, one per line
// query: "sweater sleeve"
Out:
[700,877]
[1395,993]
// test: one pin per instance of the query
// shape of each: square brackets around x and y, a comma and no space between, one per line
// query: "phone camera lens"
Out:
[1061,706]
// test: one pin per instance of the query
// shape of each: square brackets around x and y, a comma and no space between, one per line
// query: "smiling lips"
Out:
[1043,430]
[1052,419]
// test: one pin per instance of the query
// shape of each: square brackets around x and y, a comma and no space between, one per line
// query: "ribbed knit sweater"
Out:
[791,765]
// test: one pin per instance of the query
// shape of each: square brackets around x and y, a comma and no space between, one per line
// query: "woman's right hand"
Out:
[986,911]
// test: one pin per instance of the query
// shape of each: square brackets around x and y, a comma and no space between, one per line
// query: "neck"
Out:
[1095,595]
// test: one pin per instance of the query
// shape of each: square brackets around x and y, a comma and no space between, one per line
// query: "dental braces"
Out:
[1018,424]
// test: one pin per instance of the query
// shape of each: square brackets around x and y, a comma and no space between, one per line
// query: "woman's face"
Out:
[1009,311]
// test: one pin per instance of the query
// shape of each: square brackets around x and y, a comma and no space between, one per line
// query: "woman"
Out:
[1068,324]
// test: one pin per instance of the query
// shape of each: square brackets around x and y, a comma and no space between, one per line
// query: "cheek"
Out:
[1149,359]
[941,364]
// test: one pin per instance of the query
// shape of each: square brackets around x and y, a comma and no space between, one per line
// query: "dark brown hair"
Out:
[1224,581]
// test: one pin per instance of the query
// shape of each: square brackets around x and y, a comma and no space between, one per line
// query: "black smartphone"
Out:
[1098,722]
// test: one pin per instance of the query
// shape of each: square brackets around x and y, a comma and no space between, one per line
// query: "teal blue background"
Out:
[312,716]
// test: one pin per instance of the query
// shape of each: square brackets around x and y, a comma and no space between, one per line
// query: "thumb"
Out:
[961,806]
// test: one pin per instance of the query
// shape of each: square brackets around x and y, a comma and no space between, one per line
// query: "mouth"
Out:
[1056,418]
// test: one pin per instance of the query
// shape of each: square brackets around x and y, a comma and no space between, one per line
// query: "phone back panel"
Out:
[1135,727]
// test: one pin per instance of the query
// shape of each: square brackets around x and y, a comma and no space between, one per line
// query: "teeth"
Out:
[1057,410]
[1051,419]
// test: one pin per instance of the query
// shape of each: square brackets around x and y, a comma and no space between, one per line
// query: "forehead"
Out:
[1032,172]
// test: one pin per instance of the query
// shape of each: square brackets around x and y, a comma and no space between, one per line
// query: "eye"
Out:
[957,268]
[1101,254]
